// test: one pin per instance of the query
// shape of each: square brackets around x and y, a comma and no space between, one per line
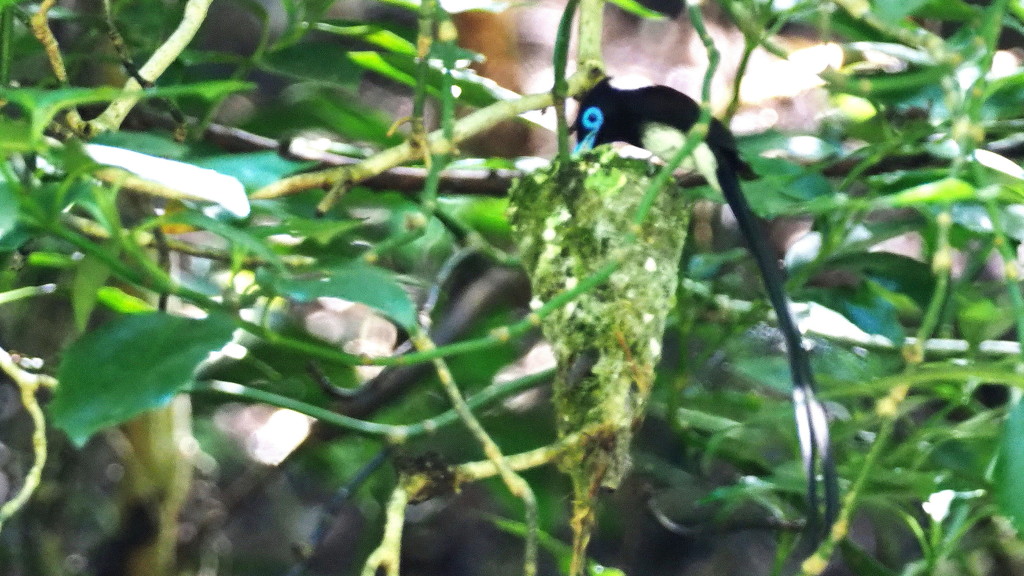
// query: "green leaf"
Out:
[893,272]
[947,190]
[120,301]
[948,10]
[635,8]
[784,187]
[374,34]
[980,317]
[317,107]
[241,239]
[895,10]
[475,90]
[9,212]
[356,282]
[16,136]
[867,307]
[92,273]
[319,61]
[320,230]
[128,366]
[253,169]
[1008,486]
[862,563]
[145,143]
[42,105]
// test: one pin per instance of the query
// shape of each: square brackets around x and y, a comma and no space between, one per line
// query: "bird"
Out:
[658,118]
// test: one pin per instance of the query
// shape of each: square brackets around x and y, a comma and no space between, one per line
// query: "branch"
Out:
[28,383]
[115,113]
[165,55]
[388,554]
[470,126]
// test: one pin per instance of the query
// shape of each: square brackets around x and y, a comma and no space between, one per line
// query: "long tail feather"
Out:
[811,419]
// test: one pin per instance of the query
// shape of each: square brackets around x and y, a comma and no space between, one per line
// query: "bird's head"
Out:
[605,116]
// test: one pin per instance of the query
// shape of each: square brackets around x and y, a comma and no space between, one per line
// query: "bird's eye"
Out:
[592,118]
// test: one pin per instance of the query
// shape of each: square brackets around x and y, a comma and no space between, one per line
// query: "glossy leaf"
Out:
[637,9]
[475,90]
[42,105]
[895,10]
[241,239]
[320,230]
[319,61]
[385,37]
[316,107]
[1008,485]
[253,169]
[356,282]
[144,142]
[8,208]
[891,271]
[862,563]
[946,190]
[120,301]
[128,366]
[91,274]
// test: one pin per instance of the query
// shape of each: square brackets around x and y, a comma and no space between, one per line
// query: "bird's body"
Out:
[658,118]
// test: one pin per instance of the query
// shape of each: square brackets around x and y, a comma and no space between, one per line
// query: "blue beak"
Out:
[587,143]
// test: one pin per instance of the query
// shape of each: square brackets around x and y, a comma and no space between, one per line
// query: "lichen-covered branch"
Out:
[515,483]
[115,113]
[388,554]
[28,383]
[162,58]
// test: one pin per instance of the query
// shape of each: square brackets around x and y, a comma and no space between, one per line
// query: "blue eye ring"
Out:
[592,118]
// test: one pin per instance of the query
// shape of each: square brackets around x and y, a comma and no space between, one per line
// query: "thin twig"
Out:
[192,18]
[515,483]
[467,127]
[28,383]
[389,553]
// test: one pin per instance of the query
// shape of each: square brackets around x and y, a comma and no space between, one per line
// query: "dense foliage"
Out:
[215,219]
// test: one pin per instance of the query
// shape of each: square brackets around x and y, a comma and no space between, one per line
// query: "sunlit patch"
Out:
[810,148]
[754,121]
[999,163]
[817,59]
[234,350]
[937,506]
[854,107]
[355,327]
[456,91]
[768,77]
[629,82]
[538,359]
[1004,63]
[282,433]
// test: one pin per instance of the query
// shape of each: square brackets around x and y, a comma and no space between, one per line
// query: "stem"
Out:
[560,59]
[515,483]
[396,433]
[6,33]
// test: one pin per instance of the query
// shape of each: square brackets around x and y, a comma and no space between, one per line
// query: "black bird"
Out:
[658,118]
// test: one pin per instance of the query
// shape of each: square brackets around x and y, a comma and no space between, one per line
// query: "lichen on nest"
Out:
[572,220]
